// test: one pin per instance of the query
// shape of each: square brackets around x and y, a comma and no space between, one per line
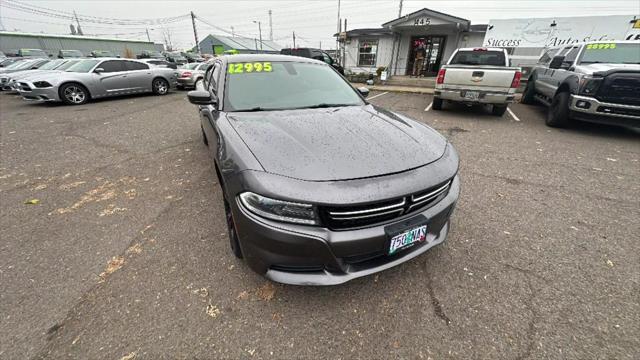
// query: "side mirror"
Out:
[98,70]
[363,91]
[556,62]
[201,97]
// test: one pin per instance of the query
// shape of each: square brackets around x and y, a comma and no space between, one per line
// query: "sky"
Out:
[314,22]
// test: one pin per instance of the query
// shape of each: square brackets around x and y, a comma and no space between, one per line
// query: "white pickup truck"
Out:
[478,76]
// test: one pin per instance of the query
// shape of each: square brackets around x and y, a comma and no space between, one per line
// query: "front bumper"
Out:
[30,92]
[308,255]
[485,96]
[591,109]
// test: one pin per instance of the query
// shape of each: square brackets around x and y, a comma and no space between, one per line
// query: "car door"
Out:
[543,77]
[140,76]
[209,113]
[112,79]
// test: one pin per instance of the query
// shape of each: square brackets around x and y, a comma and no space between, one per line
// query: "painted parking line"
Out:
[428,107]
[513,115]
[373,97]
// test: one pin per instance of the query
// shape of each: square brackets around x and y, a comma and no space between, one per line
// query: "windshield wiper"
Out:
[323,105]
[253,109]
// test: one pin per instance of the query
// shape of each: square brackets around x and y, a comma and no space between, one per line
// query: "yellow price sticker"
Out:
[254,67]
[603,46]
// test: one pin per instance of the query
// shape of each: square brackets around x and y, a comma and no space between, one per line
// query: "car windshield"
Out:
[250,87]
[479,57]
[612,53]
[51,65]
[103,53]
[33,52]
[17,64]
[25,64]
[83,66]
[71,53]
[68,64]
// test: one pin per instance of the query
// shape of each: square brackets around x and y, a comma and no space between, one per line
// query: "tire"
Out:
[74,94]
[558,111]
[160,86]
[437,104]
[231,229]
[204,136]
[498,110]
[528,96]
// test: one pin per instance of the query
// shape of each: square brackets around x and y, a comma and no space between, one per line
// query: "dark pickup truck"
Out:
[595,81]
[314,54]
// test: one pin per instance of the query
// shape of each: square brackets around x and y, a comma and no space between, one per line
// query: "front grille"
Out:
[348,217]
[618,111]
[621,88]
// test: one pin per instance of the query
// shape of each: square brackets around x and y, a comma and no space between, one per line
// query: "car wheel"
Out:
[160,86]
[437,104]
[74,94]
[231,229]
[498,110]
[204,136]
[558,112]
[528,96]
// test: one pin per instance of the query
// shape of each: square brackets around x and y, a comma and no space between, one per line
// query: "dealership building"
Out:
[429,37]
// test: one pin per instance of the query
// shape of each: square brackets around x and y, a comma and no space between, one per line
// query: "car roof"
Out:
[267,57]
[481,47]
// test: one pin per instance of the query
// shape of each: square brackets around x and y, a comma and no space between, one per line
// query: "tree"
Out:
[166,36]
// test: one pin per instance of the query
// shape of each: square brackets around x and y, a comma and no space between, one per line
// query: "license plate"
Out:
[471,95]
[407,239]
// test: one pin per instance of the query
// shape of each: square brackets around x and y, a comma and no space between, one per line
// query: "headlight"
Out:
[41,84]
[589,85]
[279,210]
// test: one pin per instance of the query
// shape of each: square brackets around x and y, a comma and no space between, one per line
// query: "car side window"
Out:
[112,66]
[327,58]
[570,56]
[214,72]
[133,65]
[546,56]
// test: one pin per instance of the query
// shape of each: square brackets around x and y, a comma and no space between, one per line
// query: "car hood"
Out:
[593,68]
[337,143]
[28,73]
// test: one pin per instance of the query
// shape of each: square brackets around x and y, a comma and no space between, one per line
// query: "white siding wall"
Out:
[383,58]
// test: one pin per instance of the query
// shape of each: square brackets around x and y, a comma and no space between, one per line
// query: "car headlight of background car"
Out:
[589,85]
[279,210]
[42,84]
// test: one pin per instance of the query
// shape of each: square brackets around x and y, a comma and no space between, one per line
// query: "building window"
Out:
[367,51]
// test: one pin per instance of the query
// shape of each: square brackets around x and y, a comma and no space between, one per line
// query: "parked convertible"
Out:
[98,78]
[319,186]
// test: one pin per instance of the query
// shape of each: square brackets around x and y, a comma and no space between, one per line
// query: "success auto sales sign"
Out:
[548,32]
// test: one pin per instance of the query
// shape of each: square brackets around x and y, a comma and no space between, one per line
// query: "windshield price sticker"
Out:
[601,46]
[254,67]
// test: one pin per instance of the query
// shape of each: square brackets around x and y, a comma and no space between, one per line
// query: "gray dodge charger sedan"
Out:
[319,186]
[97,78]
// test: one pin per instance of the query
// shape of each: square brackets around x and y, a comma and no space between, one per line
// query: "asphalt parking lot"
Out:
[126,252]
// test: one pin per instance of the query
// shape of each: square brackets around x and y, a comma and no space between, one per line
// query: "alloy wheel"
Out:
[75,94]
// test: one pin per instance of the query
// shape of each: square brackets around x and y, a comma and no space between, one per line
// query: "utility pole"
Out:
[338,37]
[195,32]
[400,10]
[232,32]
[270,27]
[320,45]
[148,37]
[294,39]
[259,31]
[79,29]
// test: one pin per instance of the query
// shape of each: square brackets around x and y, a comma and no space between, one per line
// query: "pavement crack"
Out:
[438,310]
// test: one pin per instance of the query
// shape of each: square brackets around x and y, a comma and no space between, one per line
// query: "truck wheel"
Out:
[558,112]
[437,104]
[528,96]
[498,110]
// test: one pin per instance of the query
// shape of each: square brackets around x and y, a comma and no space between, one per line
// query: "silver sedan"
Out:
[190,74]
[97,78]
